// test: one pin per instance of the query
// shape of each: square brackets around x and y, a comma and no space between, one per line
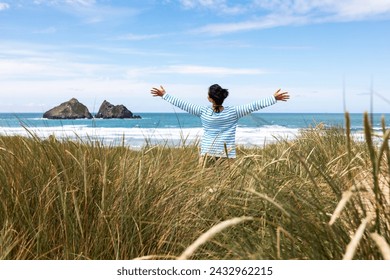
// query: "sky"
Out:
[328,54]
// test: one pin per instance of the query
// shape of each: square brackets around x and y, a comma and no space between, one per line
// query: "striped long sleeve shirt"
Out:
[219,129]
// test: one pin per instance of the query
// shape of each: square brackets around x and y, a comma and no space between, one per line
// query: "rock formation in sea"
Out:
[71,109]
[110,111]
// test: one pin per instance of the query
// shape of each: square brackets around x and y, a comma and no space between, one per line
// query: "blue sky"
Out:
[53,50]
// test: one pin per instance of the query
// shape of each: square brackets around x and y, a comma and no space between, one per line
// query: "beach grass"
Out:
[320,196]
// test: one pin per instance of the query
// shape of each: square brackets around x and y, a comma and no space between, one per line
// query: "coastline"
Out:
[175,129]
[136,137]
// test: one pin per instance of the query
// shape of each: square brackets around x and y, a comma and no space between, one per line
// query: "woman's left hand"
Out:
[158,91]
[281,96]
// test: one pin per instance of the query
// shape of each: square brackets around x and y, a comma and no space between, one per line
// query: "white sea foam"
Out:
[264,135]
[137,137]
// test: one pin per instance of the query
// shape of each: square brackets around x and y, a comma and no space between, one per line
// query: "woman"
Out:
[219,122]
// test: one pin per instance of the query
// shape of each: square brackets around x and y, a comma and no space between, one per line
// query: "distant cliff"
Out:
[110,111]
[71,109]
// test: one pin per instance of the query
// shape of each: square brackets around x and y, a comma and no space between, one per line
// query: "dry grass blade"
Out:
[77,210]
[346,196]
[382,245]
[210,234]
[280,230]
[348,133]
[8,240]
[265,197]
[351,248]
[386,144]
[155,257]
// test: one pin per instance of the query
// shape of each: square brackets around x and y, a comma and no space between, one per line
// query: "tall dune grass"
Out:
[64,199]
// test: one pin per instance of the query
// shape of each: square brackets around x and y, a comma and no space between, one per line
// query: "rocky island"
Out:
[71,109]
[110,111]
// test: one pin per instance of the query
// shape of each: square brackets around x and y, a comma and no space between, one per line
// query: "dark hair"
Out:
[218,94]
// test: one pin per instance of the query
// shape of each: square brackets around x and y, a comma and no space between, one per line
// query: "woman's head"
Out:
[218,95]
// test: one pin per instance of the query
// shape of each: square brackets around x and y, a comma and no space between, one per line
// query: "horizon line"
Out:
[170,112]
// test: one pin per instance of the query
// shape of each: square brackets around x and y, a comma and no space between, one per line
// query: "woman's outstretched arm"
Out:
[186,106]
[261,104]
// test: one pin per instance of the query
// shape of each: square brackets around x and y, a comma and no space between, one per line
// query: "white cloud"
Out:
[362,9]
[51,69]
[219,6]
[351,8]
[91,92]
[4,6]
[48,30]
[26,61]
[265,14]
[90,11]
[81,2]
[44,62]
[67,2]
[139,37]
[208,70]
[202,3]
[269,21]
[194,70]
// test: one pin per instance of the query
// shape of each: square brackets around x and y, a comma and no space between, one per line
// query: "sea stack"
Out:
[110,111]
[71,109]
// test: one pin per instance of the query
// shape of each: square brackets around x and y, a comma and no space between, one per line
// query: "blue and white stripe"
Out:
[219,129]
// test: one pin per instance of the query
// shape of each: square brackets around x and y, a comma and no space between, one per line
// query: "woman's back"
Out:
[219,132]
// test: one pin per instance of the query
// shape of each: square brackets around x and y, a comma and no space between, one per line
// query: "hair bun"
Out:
[224,93]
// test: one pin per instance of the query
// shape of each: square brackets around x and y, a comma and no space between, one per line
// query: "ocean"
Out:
[256,129]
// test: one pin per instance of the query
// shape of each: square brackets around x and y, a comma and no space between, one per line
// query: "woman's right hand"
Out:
[158,91]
